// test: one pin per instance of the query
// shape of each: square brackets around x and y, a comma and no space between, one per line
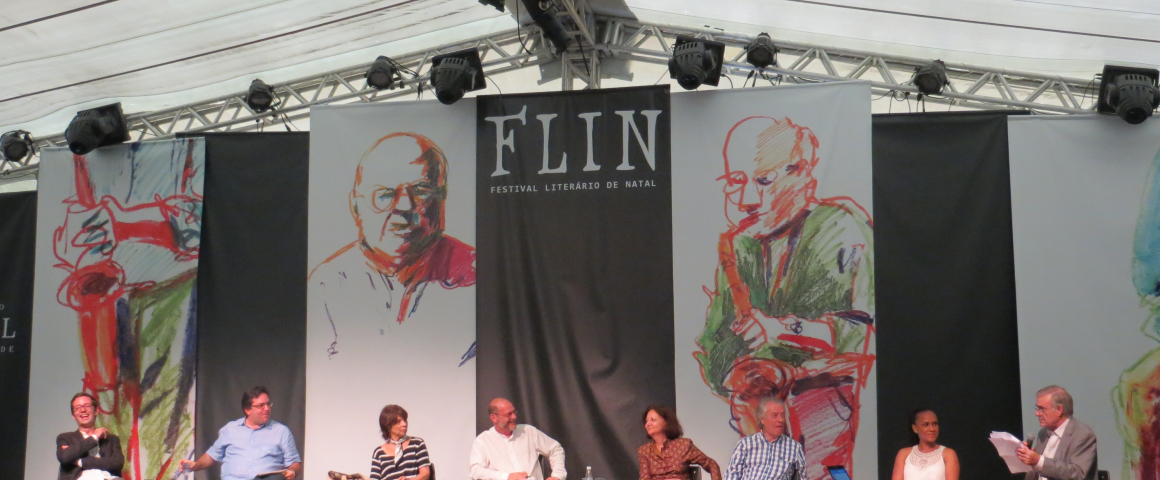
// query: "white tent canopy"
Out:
[66,55]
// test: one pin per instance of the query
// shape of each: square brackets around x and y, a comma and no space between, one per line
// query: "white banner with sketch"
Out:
[773,267]
[391,296]
[1085,211]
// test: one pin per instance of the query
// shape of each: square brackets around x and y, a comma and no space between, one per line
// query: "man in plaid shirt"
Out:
[769,454]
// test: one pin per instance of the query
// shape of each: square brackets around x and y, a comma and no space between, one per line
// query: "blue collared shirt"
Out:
[756,458]
[246,452]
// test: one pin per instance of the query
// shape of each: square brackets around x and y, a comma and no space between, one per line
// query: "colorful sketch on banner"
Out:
[1137,397]
[130,244]
[792,311]
[397,204]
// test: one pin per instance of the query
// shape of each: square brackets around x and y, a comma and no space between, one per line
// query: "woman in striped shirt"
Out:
[402,457]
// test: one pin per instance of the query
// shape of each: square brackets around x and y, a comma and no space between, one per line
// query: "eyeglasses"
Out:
[262,405]
[513,412]
[84,406]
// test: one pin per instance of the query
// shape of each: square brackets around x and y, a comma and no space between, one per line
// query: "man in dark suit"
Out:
[1065,448]
[87,448]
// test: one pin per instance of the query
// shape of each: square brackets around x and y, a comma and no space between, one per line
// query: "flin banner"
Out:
[391,281]
[118,240]
[575,300]
[1085,210]
[17,247]
[773,260]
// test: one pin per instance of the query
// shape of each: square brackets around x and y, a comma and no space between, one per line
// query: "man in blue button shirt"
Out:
[252,446]
[769,454]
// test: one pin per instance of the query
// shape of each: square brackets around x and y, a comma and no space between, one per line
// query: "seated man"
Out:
[508,451]
[252,446]
[769,454]
[88,448]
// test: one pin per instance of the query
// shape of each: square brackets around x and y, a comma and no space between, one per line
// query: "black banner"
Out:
[575,294]
[17,258]
[251,287]
[947,338]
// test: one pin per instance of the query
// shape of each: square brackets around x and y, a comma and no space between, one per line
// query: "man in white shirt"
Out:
[509,451]
[1065,448]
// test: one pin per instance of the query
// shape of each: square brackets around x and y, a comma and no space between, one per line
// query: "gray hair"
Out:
[1059,397]
[761,405]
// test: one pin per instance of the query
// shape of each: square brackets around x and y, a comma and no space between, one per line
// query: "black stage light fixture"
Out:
[548,22]
[761,52]
[95,128]
[931,78]
[260,97]
[456,73]
[1129,92]
[15,145]
[696,62]
[381,74]
[498,4]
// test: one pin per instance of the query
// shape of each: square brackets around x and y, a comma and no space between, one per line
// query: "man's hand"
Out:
[290,474]
[551,478]
[517,475]
[185,465]
[101,433]
[1027,455]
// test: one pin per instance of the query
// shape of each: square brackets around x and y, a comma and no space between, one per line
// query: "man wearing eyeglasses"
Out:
[1065,448]
[89,447]
[252,446]
[511,451]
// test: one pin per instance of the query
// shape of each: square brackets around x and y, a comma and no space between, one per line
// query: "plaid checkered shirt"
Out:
[756,458]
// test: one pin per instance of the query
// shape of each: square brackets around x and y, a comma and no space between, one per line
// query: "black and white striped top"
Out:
[383,466]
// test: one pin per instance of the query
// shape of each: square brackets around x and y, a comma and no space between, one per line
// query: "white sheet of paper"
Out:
[1006,444]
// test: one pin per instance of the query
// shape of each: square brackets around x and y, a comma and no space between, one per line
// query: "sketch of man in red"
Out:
[792,311]
[397,204]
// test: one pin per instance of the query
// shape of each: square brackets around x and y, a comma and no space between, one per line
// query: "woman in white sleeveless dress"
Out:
[927,460]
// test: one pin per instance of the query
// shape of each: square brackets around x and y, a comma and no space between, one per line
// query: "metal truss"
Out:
[971,86]
[605,48]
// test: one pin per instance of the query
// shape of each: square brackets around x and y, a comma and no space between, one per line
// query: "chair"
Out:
[694,471]
[545,467]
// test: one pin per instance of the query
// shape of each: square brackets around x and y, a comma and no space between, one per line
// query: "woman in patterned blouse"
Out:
[667,455]
[387,463]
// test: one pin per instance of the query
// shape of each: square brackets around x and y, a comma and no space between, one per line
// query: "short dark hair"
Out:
[249,396]
[390,416]
[96,404]
[673,428]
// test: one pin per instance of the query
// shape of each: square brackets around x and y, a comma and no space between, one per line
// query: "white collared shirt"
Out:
[494,456]
[1052,445]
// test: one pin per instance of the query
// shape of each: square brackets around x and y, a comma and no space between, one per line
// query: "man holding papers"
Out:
[1065,448]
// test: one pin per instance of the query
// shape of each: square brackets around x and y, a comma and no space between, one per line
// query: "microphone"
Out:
[1030,441]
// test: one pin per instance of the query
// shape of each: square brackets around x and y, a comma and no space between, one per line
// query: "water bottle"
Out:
[588,473]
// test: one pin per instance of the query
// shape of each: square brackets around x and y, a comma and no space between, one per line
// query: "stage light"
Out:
[381,74]
[15,145]
[696,62]
[498,4]
[1129,92]
[456,73]
[548,22]
[260,97]
[95,128]
[761,52]
[931,79]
